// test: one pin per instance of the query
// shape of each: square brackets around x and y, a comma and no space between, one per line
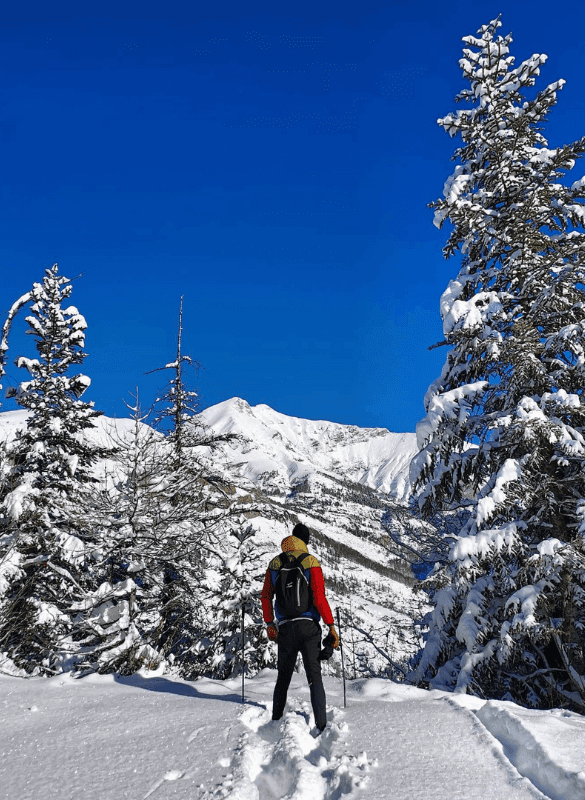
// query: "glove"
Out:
[333,632]
[327,648]
[272,632]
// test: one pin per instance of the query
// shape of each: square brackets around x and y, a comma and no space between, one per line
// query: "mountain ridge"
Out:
[289,449]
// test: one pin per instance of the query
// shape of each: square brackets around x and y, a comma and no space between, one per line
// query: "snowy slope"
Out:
[107,431]
[152,736]
[286,450]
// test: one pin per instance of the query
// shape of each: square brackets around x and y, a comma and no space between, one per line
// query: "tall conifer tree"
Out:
[121,617]
[503,437]
[199,499]
[45,545]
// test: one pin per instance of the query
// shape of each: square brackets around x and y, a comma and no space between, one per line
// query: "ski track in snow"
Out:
[286,759]
[438,750]
[544,746]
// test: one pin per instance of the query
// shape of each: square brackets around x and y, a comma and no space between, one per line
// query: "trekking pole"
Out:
[243,653]
[342,661]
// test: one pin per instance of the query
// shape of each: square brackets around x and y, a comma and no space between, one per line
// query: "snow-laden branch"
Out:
[22,301]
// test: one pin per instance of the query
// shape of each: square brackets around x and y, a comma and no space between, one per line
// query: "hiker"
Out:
[300,603]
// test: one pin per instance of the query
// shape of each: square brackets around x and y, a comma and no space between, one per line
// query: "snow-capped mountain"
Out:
[337,479]
[281,451]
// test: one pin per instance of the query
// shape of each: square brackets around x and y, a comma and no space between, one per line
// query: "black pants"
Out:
[302,635]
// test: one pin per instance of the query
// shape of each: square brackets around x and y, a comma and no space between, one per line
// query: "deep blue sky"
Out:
[270,161]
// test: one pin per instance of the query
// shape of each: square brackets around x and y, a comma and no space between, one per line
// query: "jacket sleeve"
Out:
[266,598]
[319,599]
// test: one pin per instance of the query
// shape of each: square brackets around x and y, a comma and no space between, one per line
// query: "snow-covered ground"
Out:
[152,736]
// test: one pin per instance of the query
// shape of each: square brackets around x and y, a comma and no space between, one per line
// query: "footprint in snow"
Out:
[172,775]
[278,759]
[194,734]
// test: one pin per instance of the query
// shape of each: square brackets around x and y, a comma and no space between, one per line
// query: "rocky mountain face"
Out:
[337,479]
[279,453]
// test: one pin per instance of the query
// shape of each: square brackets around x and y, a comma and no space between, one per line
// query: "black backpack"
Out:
[293,593]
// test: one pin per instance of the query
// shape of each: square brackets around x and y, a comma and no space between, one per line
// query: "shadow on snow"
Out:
[172,687]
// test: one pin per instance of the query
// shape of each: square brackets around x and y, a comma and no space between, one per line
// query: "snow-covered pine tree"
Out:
[503,437]
[157,521]
[46,545]
[201,500]
[179,404]
[120,619]
[233,582]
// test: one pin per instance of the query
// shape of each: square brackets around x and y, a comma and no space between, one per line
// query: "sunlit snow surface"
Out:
[151,736]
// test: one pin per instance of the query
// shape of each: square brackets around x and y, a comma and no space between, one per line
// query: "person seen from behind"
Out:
[294,584]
